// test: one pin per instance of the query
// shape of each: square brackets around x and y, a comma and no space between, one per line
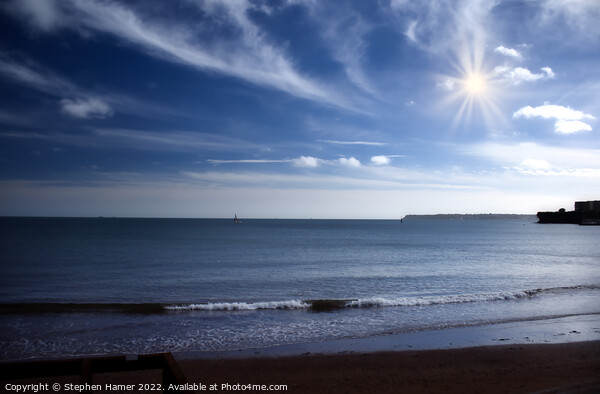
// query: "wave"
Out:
[241,306]
[311,305]
[331,304]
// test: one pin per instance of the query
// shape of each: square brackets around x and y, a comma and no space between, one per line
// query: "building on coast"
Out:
[585,213]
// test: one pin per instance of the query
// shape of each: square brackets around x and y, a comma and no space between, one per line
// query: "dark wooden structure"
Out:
[87,367]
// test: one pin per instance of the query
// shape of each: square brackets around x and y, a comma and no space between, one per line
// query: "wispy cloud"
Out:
[408,180]
[579,16]
[159,141]
[541,167]
[411,31]
[529,157]
[33,76]
[447,84]
[437,26]
[73,100]
[568,120]
[336,142]
[249,55]
[43,14]
[246,161]
[302,161]
[171,140]
[344,30]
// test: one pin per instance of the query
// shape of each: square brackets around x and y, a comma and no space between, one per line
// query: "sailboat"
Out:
[236,220]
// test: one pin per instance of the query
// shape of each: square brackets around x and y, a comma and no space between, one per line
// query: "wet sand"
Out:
[564,367]
[532,368]
[537,356]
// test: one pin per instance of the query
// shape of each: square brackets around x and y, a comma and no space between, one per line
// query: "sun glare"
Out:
[475,84]
[474,91]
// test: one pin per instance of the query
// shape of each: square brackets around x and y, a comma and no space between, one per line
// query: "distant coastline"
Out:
[478,216]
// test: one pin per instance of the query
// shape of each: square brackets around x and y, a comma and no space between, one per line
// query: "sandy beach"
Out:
[538,368]
[566,367]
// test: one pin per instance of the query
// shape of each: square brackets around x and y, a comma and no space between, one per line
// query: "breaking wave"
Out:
[330,304]
[311,305]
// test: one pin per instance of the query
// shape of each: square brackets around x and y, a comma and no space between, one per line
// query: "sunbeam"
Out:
[474,91]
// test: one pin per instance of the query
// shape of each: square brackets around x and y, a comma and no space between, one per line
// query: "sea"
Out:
[74,287]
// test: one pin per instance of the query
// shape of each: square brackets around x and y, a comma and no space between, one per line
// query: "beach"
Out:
[549,355]
[566,367]
[526,368]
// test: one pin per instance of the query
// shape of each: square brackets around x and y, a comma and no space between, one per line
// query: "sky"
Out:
[298,108]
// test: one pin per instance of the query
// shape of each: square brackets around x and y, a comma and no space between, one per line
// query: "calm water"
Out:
[195,285]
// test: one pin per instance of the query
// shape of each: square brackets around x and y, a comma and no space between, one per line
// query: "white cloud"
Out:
[549,111]
[536,163]
[86,108]
[349,162]
[383,159]
[549,73]
[306,161]
[518,75]
[380,160]
[568,120]
[571,126]
[510,52]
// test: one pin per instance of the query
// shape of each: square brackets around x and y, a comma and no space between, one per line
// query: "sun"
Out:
[475,84]
[473,91]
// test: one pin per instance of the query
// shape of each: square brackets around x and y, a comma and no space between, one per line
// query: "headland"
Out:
[585,213]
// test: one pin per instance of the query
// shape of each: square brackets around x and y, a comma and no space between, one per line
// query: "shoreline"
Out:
[546,330]
[541,356]
[555,330]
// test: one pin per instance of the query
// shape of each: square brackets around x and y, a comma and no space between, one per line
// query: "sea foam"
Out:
[368,302]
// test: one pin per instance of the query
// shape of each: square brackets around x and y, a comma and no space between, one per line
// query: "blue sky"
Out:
[298,109]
